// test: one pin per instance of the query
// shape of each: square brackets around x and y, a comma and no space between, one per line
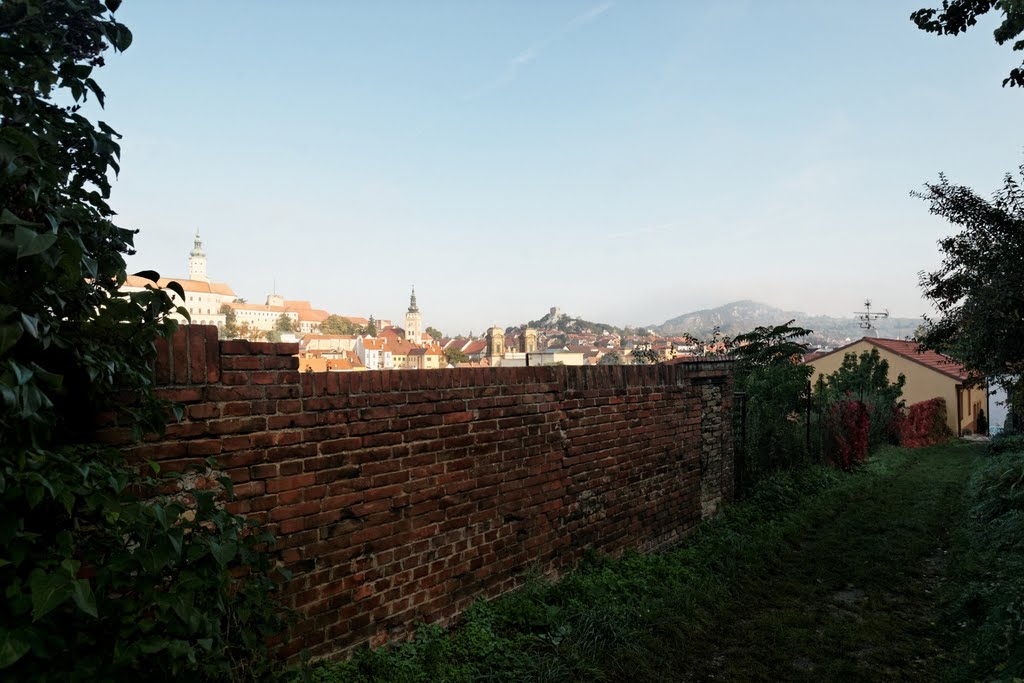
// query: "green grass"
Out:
[817,576]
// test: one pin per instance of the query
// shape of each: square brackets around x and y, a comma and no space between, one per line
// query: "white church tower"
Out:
[413,321]
[197,262]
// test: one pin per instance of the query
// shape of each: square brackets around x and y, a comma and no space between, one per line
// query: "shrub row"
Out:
[924,424]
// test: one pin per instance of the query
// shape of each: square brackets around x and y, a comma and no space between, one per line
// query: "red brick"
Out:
[236,425]
[182,395]
[197,353]
[292,511]
[203,411]
[263,471]
[179,356]
[400,482]
[212,355]
[240,363]
[287,483]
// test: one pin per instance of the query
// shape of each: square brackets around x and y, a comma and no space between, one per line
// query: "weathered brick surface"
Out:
[402,496]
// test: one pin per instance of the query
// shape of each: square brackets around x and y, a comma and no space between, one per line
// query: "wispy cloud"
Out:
[533,52]
[527,55]
[591,14]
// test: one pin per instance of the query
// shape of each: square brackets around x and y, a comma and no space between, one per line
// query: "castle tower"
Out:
[197,262]
[495,343]
[413,321]
[528,342]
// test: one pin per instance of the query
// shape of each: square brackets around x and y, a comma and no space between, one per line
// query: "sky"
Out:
[625,161]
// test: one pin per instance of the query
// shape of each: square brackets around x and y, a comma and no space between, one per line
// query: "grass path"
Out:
[816,577]
[853,595]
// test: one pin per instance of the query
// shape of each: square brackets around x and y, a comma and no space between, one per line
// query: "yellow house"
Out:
[425,358]
[929,375]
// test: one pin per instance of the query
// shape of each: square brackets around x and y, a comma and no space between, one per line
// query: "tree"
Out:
[610,359]
[250,333]
[284,323]
[335,324]
[979,288]
[370,329]
[96,562]
[434,333]
[769,371]
[454,356]
[956,16]
[230,328]
[865,379]
[61,255]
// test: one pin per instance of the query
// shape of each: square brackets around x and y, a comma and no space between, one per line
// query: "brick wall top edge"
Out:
[241,347]
[622,376]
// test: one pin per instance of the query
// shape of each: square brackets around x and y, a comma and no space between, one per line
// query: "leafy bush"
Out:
[848,426]
[1007,443]
[924,424]
[988,610]
[857,409]
[104,577]
[769,372]
[103,583]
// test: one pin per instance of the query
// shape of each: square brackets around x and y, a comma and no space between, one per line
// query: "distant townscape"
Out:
[348,343]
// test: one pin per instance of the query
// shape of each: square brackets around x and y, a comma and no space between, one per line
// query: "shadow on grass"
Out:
[817,576]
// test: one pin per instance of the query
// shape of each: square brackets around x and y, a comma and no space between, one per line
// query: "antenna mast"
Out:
[867,318]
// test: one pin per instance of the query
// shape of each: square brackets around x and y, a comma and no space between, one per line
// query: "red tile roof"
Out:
[313,315]
[910,350]
[398,347]
[257,307]
[475,346]
[187,285]
[932,359]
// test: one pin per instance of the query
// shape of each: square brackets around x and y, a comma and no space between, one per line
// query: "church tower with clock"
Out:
[413,321]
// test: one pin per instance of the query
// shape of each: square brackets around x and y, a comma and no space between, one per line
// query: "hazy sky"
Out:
[626,161]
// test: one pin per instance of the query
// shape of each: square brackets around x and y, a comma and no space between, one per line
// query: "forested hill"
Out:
[742,316]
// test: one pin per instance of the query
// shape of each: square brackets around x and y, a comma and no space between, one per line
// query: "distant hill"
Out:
[742,316]
[556,320]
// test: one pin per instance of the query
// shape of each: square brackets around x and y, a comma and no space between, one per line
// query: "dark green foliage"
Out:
[643,354]
[434,333]
[981,422]
[1007,443]
[335,324]
[284,323]
[864,378]
[769,372]
[104,584]
[979,288]
[986,595]
[103,579]
[454,356]
[61,255]
[610,359]
[956,16]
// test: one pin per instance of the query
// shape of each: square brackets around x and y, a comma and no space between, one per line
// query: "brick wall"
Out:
[402,496]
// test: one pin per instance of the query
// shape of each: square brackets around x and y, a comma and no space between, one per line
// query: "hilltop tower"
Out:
[413,320]
[495,343]
[197,261]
